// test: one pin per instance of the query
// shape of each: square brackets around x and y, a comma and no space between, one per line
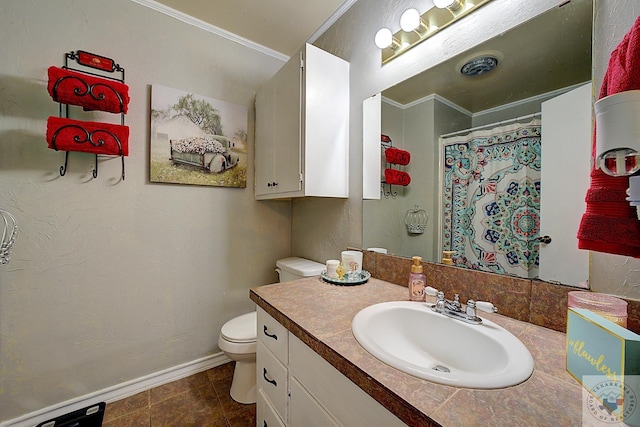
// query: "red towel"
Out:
[87,91]
[396,177]
[610,224]
[90,137]
[397,156]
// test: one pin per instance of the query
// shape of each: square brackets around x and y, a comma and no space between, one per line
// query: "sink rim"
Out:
[518,367]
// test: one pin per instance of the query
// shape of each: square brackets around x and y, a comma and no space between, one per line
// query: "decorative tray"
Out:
[351,281]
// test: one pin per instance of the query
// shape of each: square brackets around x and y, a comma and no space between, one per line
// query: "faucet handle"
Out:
[432,292]
[486,306]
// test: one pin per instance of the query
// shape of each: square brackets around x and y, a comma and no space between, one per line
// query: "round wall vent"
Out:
[479,65]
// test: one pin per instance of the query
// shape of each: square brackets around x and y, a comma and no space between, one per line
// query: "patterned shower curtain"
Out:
[491,198]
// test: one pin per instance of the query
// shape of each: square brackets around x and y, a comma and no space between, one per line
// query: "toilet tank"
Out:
[295,268]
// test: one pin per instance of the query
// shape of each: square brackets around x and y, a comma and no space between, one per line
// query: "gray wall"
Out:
[110,281]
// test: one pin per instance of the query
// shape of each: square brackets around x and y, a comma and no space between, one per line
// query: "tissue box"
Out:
[605,358]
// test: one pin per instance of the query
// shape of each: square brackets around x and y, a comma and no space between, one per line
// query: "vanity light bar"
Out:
[428,24]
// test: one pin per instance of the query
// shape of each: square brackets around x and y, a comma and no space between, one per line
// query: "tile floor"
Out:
[201,400]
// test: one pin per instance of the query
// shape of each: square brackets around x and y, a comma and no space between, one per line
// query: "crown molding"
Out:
[332,19]
[151,4]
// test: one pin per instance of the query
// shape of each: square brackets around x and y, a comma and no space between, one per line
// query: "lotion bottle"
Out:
[417,281]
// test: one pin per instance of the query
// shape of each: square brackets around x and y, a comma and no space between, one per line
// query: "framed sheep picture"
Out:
[197,140]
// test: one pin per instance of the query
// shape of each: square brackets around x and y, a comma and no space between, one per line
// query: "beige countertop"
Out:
[320,314]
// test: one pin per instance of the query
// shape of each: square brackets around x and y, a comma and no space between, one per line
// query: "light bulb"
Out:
[384,38]
[410,20]
[442,4]
[448,4]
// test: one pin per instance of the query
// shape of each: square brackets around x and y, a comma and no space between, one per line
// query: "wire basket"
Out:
[416,220]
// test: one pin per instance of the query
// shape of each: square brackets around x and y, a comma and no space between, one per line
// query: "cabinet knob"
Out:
[272,184]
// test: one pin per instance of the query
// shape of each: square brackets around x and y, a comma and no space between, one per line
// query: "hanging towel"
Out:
[87,91]
[396,156]
[610,223]
[396,177]
[91,137]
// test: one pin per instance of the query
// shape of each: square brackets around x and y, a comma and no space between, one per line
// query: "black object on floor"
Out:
[91,416]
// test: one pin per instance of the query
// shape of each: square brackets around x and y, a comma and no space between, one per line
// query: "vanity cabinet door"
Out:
[266,415]
[304,410]
[334,392]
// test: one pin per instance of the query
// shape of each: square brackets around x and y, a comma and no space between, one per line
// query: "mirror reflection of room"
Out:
[479,167]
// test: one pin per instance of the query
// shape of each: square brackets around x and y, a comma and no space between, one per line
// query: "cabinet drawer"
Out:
[266,415]
[273,335]
[272,379]
[304,410]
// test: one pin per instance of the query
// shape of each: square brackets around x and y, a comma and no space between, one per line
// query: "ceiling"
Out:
[280,25]
[550,52]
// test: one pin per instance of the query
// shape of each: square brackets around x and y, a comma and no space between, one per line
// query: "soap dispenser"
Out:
[417,281]
[446,257]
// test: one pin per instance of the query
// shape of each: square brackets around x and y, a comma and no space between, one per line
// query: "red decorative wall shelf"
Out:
[79,85]
[392,176]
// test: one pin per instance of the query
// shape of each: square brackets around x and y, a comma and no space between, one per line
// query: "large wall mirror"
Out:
[543,72]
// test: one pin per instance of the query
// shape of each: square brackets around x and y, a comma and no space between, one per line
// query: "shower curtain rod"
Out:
[491,125]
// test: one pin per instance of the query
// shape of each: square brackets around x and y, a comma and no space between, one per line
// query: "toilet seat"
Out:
[241,329]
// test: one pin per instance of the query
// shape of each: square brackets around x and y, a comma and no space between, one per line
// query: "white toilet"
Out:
[238,336]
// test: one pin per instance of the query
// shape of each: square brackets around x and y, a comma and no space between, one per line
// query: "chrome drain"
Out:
[441,368]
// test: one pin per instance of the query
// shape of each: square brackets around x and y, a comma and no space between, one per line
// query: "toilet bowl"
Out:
[238,336]
[238,341]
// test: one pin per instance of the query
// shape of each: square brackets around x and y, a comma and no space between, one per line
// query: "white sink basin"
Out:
[414,339]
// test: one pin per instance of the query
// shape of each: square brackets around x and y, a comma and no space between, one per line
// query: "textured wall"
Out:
[611,273]
[110,281]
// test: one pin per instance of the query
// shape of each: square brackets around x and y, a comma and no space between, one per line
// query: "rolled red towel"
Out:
[610,224]
[397,156]
[396,177]
[91,137]
[87,91]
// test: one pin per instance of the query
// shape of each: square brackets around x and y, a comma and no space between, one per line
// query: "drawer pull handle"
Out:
[274,336]
[264,375]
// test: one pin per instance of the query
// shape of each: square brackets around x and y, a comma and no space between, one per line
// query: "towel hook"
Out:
[63,168]
[8,235]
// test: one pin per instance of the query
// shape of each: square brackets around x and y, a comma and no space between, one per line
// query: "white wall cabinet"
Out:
[317,394]
[302,129]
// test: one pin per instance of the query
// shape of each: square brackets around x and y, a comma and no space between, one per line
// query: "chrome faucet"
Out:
[453,308]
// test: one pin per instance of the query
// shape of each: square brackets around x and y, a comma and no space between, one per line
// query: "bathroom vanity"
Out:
[329,379]
[295,384]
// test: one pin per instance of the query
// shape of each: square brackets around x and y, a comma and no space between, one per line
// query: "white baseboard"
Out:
[119,391]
